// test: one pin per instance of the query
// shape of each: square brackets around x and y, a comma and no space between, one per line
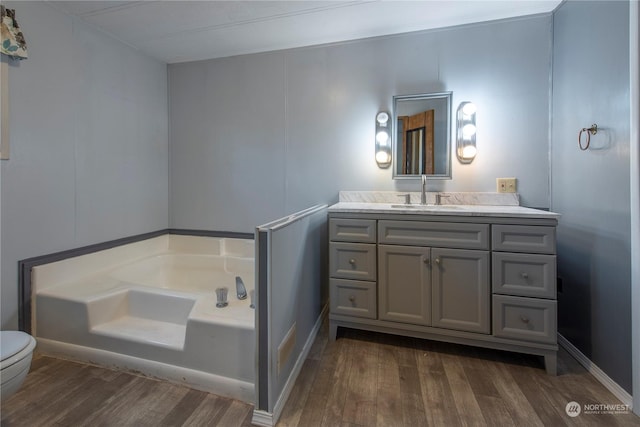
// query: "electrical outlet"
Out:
[506,185]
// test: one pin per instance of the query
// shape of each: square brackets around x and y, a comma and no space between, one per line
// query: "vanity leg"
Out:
[551,363]
[333,331]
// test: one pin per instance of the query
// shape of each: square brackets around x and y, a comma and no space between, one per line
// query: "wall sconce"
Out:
[383,140]
[466,132]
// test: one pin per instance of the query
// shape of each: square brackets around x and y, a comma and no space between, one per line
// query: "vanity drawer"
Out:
[524,238]
[353,298]
[352,230]
[436,234]
[522,318]
[527,275]
[352,261]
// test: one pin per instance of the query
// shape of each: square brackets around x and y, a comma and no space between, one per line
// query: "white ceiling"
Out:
[179,31]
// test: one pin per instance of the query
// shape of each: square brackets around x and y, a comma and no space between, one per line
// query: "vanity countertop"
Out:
[445,210]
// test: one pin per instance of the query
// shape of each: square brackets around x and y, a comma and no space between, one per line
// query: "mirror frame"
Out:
[447,96]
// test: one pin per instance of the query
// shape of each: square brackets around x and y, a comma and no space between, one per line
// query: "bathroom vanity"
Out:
[469,274]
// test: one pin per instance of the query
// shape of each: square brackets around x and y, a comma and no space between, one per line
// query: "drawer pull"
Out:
[524,319]
[352,298]
[352,261]
[524,275]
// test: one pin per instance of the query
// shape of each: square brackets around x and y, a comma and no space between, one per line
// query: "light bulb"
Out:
[382,157]
[469,109]
[382,137]
[469,151]
[382,118]
[468,130]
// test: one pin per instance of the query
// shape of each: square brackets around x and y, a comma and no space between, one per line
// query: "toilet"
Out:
[16,349]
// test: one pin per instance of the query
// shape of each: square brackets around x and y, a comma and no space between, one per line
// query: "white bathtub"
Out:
[151,307]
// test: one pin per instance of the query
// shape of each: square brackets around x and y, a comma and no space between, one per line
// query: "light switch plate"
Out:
[506,185]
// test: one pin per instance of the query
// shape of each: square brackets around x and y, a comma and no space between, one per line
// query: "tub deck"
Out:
[156,315]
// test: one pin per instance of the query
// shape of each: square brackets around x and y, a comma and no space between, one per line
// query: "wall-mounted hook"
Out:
[589,131]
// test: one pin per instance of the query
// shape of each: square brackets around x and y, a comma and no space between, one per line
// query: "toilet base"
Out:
[13,377]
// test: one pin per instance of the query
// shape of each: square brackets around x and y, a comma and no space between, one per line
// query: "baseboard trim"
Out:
[598,373]
[262,418]
[266,419]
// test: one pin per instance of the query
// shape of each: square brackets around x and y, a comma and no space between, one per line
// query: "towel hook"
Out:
[589,131]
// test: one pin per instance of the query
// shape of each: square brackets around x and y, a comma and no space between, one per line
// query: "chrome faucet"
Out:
[241,291]
[423,192]
[221,295]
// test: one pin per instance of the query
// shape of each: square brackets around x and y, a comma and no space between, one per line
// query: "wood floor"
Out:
[362,379]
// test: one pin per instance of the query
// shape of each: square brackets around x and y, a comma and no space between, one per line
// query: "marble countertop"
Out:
[449,197]
[448,210]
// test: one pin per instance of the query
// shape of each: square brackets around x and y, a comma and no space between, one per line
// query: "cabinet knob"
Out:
[438,261]
[524,319]
[352,261]
[524,275]
[426,261]
[352,298]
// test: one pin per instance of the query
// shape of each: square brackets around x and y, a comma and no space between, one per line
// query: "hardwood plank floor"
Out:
[420,382]
[362,379]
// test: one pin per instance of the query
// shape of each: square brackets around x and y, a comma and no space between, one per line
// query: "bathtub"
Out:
[150,307]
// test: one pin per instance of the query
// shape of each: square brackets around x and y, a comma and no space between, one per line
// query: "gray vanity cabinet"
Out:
[352,268]
[460,290]
[434,273]
[485,281]
[445,288]
[404,286]
[524,285]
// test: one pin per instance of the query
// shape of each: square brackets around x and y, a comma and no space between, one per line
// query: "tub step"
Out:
[138,329]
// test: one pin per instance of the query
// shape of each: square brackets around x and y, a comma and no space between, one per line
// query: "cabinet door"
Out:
[461,294]
[404,284]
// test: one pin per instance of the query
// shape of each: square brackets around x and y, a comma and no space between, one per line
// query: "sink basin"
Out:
[427,207]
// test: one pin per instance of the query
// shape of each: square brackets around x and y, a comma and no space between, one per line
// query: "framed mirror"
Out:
[422,136]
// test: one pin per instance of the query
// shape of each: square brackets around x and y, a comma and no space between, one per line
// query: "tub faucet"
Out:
[423,192]
[241,291]
[221,295]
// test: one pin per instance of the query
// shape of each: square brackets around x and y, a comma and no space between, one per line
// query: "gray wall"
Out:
[591,188]
[292,290]
[89,143]
[259,136]
[256,137]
